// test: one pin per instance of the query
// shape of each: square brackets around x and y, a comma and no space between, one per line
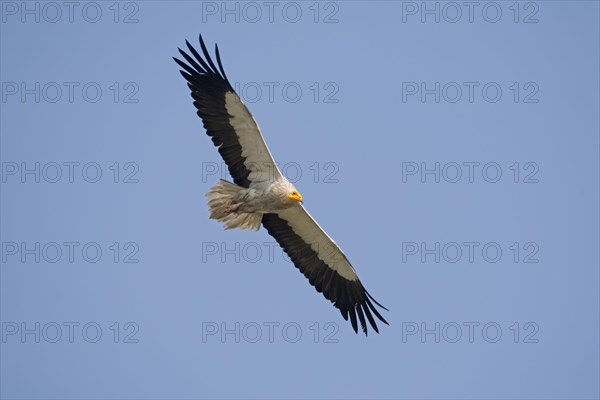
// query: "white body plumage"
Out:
[240,207]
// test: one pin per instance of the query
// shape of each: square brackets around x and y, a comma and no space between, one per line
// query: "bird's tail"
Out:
[221,201]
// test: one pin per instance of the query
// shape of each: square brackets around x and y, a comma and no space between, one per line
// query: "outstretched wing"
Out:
[320,259]
[226,119]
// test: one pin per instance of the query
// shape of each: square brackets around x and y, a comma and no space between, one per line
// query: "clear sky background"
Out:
[452,154]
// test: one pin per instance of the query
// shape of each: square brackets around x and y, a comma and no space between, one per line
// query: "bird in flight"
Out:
[260,194]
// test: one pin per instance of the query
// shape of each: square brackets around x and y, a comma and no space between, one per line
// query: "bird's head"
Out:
[294,196]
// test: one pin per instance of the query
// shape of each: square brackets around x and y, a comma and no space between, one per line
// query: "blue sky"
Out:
[451,150]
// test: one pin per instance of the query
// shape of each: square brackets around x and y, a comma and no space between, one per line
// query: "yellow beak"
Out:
[295,196]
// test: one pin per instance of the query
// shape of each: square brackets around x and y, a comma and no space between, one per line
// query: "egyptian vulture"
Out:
[260,194]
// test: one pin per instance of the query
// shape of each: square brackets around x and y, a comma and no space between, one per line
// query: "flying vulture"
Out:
[260,194]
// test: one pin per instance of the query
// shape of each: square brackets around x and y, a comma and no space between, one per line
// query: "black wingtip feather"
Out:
[186,67]
[352,313]
[372,307]
[220,64]
[361,317]
[344,313]
[376,302]
[186,75]
[198,69]
[371,320]
[207,56]
[198,57]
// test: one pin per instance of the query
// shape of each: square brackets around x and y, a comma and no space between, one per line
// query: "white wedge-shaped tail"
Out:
[223,200]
